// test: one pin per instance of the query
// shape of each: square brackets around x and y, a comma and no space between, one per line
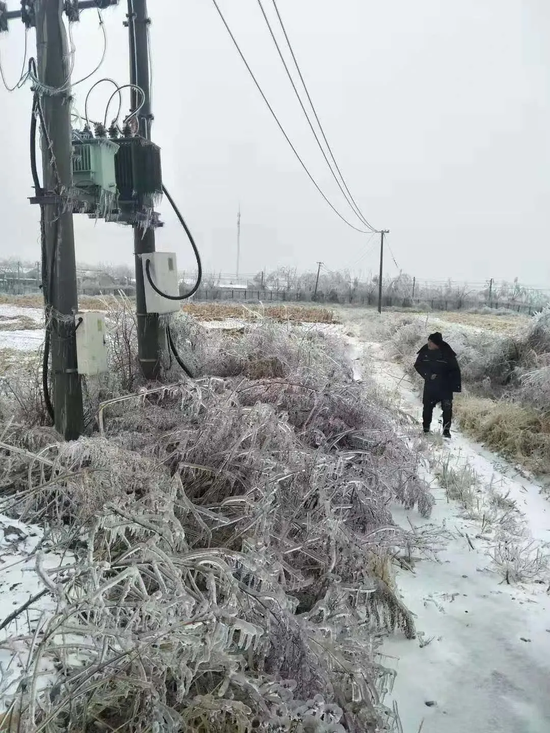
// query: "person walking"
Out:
[437,365]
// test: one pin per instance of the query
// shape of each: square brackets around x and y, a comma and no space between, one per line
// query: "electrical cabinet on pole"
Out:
[148,327]
[60,263]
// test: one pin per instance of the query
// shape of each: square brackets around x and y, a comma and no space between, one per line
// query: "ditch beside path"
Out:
[482,658]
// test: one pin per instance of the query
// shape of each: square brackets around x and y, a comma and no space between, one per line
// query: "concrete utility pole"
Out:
[414,287]
[320,264]
[238,242]
[490,291]
[148,326]
[61,298]
[382,234]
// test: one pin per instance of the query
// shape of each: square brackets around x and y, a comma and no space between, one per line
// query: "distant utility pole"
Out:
[238,242]
[490,291]
[61,296]
[320,264]
[148,325]
[380,278]
[414,287]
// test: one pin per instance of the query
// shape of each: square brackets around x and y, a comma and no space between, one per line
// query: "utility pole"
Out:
[320,264]
[382,234]
[148,325]
[61,298]
[414,287]
[490,291]
[238,242]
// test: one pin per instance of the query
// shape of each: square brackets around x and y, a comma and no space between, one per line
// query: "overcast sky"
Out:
[438,113]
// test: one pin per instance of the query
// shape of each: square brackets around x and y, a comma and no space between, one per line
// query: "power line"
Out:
[343,188]
[23,76]
[392,255]
[367,251]
[67,84]
[310,100]
[310,176]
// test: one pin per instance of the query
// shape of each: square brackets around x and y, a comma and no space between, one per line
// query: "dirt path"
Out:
[482,660]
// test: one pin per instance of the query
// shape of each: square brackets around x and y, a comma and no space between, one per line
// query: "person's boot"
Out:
[447,433]
[427,430]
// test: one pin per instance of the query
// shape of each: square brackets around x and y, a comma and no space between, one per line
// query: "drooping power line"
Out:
[317,116]
[332,164]
[279,124]
[392,255]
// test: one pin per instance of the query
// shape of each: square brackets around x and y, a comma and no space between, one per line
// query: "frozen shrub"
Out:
[520,560]
[535,388]
[538,333]
[227,532]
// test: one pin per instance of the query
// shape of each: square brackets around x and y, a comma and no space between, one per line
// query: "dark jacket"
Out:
[443,364]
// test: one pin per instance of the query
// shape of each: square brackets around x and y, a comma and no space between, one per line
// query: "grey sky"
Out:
[438,113]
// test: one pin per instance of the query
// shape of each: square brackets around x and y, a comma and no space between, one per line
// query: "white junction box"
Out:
[164,274]
[91,345]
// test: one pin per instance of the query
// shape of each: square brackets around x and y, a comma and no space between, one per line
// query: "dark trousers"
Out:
[428,411]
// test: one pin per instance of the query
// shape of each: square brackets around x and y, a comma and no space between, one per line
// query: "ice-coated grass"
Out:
[231,537]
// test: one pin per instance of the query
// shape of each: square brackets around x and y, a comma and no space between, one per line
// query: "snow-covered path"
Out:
[482,660]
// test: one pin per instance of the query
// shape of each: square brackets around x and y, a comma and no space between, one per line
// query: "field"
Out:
[505,324]
[279,313]
[37,301]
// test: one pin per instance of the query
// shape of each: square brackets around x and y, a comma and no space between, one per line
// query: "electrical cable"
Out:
[279,124]
[34,168]
[47,273]
[67,84]
[392,255]
[136,111]
[198,281]
[22,76]
[73,48]
[47,340]
[176,355]
[343,188]
[43,256]
[91,89]
[36,101]
[367,250]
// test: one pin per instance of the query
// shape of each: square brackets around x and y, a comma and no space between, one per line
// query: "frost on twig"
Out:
[233,546]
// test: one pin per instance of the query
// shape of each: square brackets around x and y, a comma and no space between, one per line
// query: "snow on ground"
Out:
[232,324]
[20,546]
[21,340]
[15,311]
[482,659]
[24,339]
